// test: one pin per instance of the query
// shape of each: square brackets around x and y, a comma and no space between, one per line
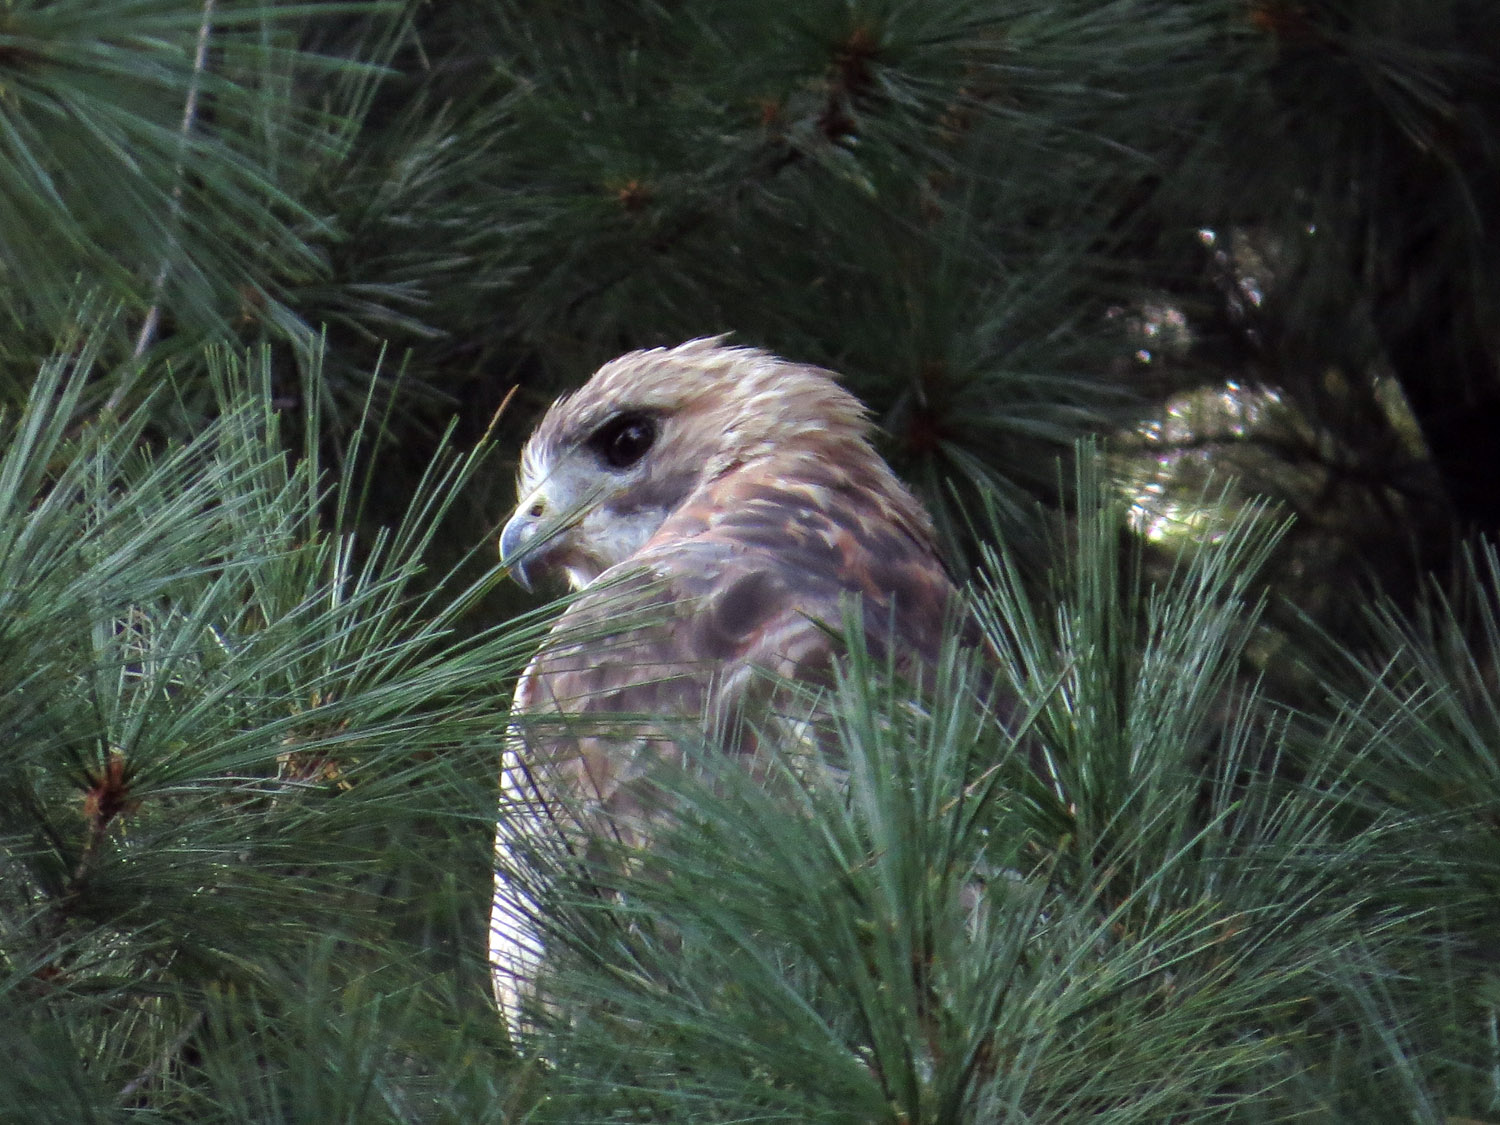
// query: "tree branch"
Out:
[189,117]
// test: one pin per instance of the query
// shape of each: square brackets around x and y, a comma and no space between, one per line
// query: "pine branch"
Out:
[189,115]
[163,1061]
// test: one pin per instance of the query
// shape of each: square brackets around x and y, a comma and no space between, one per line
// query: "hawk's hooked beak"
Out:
[519,531]
[542,536]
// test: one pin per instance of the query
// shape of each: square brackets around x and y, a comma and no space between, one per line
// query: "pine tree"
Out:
[269,271]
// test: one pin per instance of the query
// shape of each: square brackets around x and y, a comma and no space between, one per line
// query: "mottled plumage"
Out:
[717,507]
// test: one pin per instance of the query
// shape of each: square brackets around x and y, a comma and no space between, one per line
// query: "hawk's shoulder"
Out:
[755,574]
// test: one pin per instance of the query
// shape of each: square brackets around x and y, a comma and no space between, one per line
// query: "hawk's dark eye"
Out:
[623,440]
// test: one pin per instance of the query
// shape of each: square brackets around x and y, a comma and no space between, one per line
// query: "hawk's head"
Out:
[610,462]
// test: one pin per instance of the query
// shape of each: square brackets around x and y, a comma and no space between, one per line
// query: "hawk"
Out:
[717,508]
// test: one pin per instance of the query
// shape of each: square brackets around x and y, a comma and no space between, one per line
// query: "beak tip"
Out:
[513,540]
[523,580]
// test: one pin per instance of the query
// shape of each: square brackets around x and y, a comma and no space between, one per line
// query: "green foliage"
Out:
[1006,224]
[252,675]
[249,787]
[1103,899]
[238,735]
[158,151]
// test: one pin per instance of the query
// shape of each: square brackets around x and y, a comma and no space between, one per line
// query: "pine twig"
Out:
[189,118]
[162,1061]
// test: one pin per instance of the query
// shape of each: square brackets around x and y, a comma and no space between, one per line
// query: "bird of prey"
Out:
[717,508]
